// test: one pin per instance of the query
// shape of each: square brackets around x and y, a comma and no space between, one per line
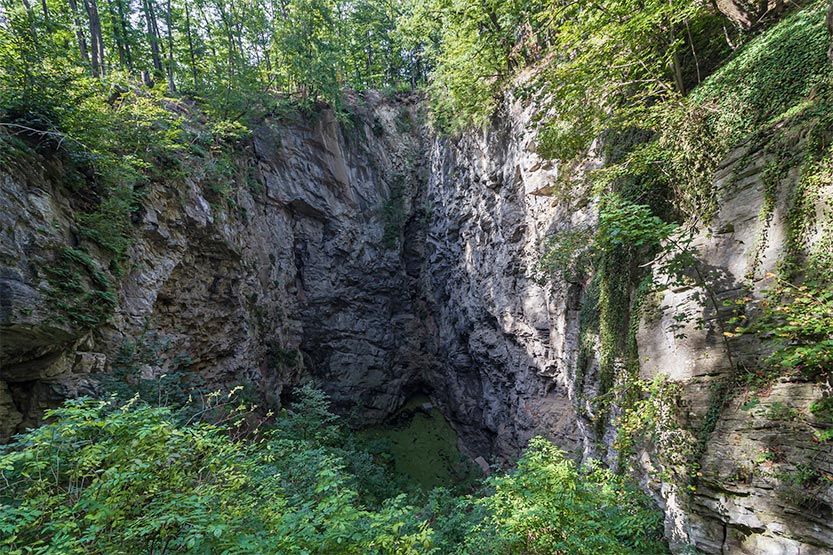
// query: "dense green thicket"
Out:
[107,477]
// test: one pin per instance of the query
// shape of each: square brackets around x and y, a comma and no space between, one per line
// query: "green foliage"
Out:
[106,477]
[625,231]
[652,417]
[473,46]
[672,161]
[799,319]
[804,486]
[109,144]
[823,409]
[568,253]
[549,505]
[131,479]
[172,389]
[610,65]
[779,74]
[422,447]
[455,519]
[233,56]
[393,212]
[109,224]
[794,318]
[622,224]
[780,411]
[634,225]
[79,289]
[86,87]
[310,419]
[783,73]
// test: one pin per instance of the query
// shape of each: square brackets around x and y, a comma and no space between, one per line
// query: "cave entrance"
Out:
[423,446]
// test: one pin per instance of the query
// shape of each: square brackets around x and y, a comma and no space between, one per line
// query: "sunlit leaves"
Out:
[798,319]
[106,479]
[551,505]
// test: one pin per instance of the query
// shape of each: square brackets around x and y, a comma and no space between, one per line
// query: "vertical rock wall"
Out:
[766,482]
[507,342]
[386,262]
[296,267]
[508,345]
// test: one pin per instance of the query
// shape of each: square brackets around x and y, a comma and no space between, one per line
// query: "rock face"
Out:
[302,270]
[765,483]
[507,342]
[509,363]
[385,262]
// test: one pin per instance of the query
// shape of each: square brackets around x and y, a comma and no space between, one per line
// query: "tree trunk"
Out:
[168,22]
[190,44]
[96,42]
[153,35]
[125,34]
[117,33]
[79,33]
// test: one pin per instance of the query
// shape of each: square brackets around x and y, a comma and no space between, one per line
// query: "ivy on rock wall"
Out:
[774,96]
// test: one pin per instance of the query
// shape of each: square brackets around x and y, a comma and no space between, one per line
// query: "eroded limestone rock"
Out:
[308,267]
[386,262]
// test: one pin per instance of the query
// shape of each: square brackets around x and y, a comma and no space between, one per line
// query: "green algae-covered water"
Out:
[424,446]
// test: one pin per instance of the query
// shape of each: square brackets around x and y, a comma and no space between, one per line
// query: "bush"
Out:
[104,479]
[551,505]
[108,478]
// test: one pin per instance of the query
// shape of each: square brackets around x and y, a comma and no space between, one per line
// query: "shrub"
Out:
[551,505]
[104,479]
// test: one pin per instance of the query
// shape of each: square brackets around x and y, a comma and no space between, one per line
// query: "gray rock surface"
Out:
[766,484]
[384,262]
[298,271]
[507,342]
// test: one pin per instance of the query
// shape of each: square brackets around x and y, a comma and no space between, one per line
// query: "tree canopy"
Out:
[229,52]
[226,52]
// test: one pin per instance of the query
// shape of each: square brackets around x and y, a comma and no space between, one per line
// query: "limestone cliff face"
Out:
[383,261]
[765,484]
[509,346]
[508,343]
[298,267]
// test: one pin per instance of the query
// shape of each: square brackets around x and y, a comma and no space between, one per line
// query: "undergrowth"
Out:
[109,476]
